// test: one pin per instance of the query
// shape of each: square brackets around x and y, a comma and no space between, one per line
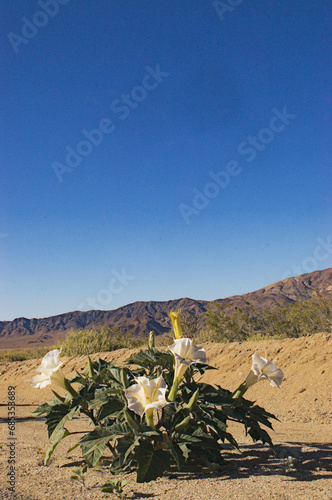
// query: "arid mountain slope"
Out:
[141,317]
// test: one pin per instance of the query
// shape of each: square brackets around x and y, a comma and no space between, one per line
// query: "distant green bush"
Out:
[9,355]
[105,339]
[292,320]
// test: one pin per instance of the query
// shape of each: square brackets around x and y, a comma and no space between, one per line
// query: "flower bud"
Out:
[175,317]
[151,343]
[192,400]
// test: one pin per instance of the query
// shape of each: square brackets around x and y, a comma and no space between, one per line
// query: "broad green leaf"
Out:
[59,415]
[115,374]
[114,405]
[232,440]
[151,464]
[102,397]
[126,446]
[116,487]
[180,453]
[94,443]
[93,447]
[151,358]
[187,438]
[45,408]
[59,437]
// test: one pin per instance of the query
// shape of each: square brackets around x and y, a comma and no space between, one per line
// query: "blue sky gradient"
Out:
[140,204]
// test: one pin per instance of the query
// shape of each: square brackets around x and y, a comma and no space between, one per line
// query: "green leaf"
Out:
[59,415]
[59,437]
[94,443]
[101,397]
[114,405]
[185,450]
[60,398]
[180,453]
[73,447]
[233,441]
[93,446]
[45,408]
[126,446]
[187,439]
[150,358]
[259,434]
[151,464]
[116,487]
[115,374]
[91,371]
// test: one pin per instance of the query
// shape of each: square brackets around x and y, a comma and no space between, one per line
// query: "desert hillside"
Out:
[303,405]
[142,317]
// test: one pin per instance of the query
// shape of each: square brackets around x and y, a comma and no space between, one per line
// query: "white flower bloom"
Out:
[262,368]
[186,353]
[146,394]
[50,371]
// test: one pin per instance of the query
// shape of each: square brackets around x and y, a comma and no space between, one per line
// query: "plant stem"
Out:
[240,391]
[89,413]
[149,417]
[70,389]
[174,389]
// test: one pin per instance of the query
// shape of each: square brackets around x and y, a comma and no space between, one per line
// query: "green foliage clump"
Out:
[292,320]
[10,355]
[190,324]
[79,342]
[105,339]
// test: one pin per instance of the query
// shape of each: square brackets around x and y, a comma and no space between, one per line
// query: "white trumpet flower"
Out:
[260,368]
[185,354]
[263,368]
[50,371]
[146,395]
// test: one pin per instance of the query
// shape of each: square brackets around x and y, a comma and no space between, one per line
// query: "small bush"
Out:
[103,340]
[9,355]
[292,320]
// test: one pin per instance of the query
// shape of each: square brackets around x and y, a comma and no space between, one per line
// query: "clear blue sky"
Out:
[180,93]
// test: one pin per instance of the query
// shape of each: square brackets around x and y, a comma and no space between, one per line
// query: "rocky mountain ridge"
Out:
[141,317]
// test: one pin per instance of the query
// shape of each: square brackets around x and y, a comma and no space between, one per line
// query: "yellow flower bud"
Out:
[175,317]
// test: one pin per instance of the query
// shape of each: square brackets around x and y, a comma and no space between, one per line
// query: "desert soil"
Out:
[301,468]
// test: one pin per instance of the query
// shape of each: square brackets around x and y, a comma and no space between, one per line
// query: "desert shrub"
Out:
[293,320]
[190,324]
[9,355]
[105,339]
[222,326]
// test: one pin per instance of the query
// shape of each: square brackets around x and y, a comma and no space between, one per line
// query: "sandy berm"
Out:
[301,469]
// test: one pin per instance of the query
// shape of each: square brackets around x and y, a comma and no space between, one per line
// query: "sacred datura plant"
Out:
[153,415]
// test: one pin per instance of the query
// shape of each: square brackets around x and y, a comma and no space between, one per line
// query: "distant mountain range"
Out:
[141,317]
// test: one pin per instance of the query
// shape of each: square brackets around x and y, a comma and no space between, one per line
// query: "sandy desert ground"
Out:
[303,406]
